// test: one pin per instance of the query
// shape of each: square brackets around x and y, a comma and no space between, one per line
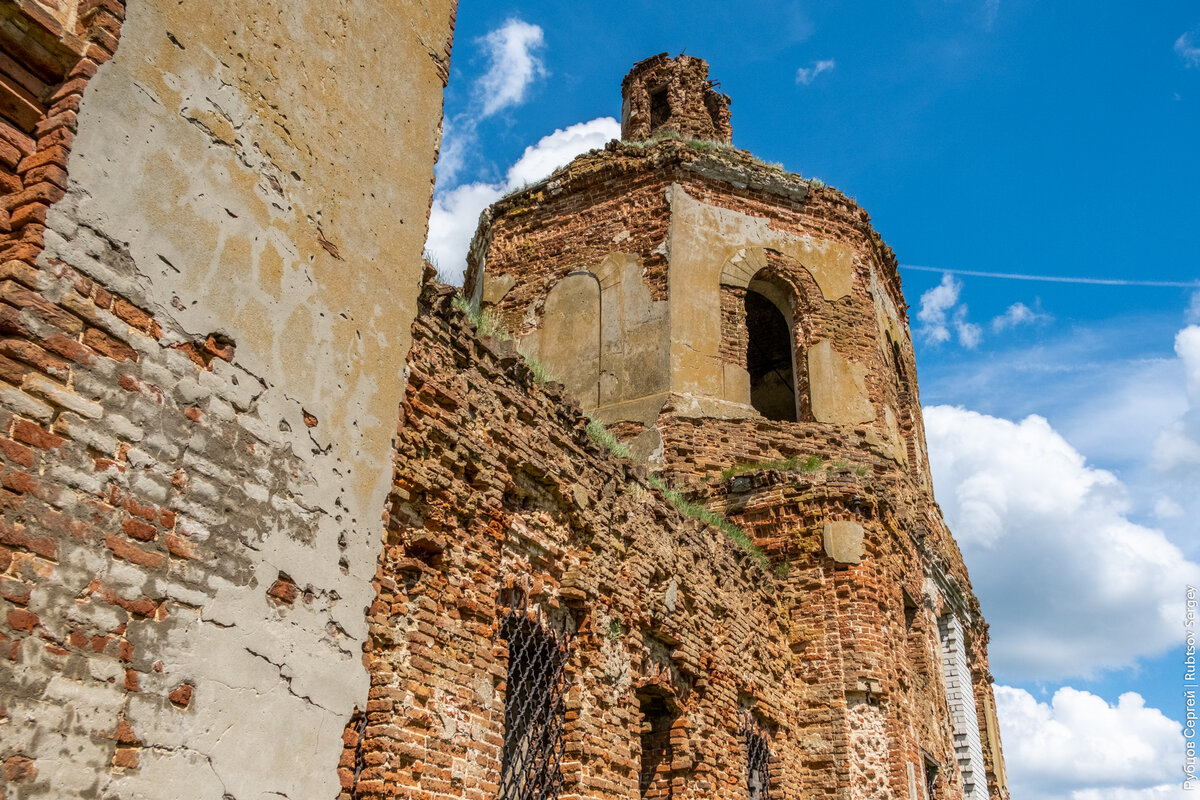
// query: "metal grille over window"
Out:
[534,708]
[758,759]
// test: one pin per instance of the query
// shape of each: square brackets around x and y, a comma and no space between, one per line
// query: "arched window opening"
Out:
[931,779]
[534,708]
[769,359]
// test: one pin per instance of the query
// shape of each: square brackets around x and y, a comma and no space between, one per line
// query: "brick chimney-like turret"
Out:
[664,93]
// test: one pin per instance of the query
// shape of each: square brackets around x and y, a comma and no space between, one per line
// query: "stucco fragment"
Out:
[843,542]
[838,387]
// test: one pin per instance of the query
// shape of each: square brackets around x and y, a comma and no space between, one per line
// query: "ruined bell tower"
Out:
[743,331]
[673,94]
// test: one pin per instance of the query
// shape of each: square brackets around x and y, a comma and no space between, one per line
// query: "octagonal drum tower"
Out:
[743,330]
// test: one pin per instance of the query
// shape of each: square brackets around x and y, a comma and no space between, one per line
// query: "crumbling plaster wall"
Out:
[209,360]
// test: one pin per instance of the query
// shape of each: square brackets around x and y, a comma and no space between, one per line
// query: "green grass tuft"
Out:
[816,183]
[536,368]
[601,436]
[706,515]
[487,324]
[810,464]
[709,146]
[441,274]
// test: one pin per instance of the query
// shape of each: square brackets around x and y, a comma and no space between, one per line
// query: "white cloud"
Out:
[1069,584]
[560,147]
[1187,49]
[991,12]
[806,75]
[455,213]
[1017,314]
[934,305]
[940,311]
[452,222]
[1178,446]
[515,64]
[1078,747]
[1165,791]
[1193,311]
[457,140]
[1167,508]
[969,334]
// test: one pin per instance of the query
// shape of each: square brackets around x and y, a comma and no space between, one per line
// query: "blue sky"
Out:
[1000,136]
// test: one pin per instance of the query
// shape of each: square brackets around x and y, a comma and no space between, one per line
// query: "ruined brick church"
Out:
[644,511]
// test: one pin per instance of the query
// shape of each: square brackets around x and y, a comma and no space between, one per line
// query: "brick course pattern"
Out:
[47,65]
[676,233]
[662,94]
[499,488]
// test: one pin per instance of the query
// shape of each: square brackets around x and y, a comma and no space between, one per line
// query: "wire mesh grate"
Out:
[534,708]
[758,758]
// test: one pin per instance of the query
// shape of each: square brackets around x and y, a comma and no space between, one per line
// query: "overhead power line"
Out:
[1016,276]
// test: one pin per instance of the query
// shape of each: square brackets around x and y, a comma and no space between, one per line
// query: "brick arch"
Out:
[791,288]
[741,267]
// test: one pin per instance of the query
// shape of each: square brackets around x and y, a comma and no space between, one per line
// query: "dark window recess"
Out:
[769,360]
[758,759]
[654,774]
[660,107]
[931,776]
[534,710]
[910,611]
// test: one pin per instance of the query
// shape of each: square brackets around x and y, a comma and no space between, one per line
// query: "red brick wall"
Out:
[858,665]
[497,483]
[43,77]
[155,492]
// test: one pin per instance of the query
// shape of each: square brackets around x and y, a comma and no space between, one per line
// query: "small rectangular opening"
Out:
[758,758]
[660,106]
[910,611]
[931,776]
[654,773]
[534,708]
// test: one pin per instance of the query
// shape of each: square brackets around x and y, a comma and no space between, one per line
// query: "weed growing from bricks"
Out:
[536,368]
[601,436]
[487,325]
[697,511]
[810,464]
